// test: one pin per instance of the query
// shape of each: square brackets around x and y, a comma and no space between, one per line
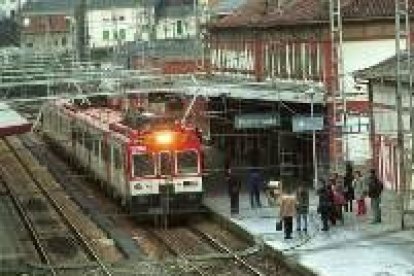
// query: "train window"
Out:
[117,158]
[143,165]
[88,141]
[165,164]
[187,162]
[97,147]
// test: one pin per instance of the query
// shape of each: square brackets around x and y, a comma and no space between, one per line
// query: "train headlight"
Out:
[138,186]
[164,138]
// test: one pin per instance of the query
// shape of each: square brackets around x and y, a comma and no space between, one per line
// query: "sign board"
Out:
[256,120]
[307,123]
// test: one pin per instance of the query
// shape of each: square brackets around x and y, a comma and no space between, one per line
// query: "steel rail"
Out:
[176,252]
[87,247]
[222,247]
[29,225]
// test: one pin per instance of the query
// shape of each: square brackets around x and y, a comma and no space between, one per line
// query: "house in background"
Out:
[382,84]
[48,25]
[111,23]
[290,41]
[10,8]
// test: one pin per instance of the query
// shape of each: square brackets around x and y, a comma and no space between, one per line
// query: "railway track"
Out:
[60,245]
[200,254]
[193,249]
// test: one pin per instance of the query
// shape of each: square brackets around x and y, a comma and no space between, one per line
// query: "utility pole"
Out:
[402,33]
[81,33]
[338,89]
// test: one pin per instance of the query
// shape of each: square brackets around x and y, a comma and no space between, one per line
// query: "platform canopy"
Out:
[11,122]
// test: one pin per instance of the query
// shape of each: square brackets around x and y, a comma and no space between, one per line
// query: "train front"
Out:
[166,166]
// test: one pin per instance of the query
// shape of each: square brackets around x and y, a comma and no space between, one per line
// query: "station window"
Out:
[179,27]
[187,162]
[122,34]
[105,35]
[143,165]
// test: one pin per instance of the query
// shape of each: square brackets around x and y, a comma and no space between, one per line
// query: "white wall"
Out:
[135,22]
[385,118]
[7,6]
[167,27]
[362,54]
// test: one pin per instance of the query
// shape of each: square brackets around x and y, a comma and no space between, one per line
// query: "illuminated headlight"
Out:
[138,186]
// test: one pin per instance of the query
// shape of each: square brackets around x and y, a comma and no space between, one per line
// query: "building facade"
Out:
[117,22]
[291,41]
[382,89]
[10,8]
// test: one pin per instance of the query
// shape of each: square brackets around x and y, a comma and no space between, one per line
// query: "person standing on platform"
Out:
[349,191]
[255,182]
[288,204]
[302,196]
[360,193]
[339,201]
[325,205]
[233,186]
[375,188]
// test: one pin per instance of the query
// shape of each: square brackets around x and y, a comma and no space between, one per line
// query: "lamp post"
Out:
[311,93]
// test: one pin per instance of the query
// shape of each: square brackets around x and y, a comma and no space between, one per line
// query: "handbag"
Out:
[279,225]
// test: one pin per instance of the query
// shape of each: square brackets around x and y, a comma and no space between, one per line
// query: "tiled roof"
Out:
[386,69]
[296,12]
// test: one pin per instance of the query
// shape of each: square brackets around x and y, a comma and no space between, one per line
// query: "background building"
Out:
[10,8]
[291,40]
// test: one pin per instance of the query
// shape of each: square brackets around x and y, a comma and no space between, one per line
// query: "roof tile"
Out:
[296,12]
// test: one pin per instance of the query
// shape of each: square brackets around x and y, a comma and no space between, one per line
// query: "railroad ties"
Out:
[52,222]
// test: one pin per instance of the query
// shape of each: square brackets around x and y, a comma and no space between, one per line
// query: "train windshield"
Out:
[143,165]
[165,164]
[187,162]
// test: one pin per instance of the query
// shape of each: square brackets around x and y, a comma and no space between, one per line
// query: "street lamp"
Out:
[311,93]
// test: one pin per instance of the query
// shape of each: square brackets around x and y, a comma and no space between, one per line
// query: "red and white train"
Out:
[151,162]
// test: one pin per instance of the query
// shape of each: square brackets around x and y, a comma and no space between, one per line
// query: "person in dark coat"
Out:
[302,208]
[375,187]
[325,205]
[330,188]
[233,185]
[349,191]
[255,182]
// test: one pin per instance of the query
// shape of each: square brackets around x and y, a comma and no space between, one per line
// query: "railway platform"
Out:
[355,248]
